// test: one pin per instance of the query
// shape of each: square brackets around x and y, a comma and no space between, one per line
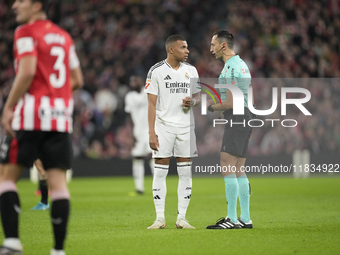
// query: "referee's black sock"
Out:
[59,216]
[44,191]
[10,209]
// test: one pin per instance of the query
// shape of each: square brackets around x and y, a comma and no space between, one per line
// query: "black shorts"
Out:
[54,149]
[236,136]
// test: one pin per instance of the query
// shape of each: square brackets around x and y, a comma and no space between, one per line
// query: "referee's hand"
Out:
[153,142]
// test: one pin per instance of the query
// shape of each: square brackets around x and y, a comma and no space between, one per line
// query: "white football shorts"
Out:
[175,144]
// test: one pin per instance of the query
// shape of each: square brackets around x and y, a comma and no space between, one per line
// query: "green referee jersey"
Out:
[235,72]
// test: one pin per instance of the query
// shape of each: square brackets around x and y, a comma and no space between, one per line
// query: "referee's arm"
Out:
[226,105]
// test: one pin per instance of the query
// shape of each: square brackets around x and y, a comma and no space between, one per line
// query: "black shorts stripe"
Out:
[163,168]
[183,165]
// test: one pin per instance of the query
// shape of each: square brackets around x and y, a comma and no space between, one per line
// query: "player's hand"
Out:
[186,102]
[153,142]
[6,121]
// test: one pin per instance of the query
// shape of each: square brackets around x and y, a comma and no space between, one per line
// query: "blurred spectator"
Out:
[117,39]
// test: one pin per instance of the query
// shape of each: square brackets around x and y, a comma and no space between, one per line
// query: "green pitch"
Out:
[290,217]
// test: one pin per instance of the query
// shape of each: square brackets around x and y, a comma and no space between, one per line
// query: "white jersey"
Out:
[137,105]
[171,87]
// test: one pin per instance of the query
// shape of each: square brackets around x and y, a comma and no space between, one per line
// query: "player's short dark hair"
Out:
[173,38]
[224,35]
[45,4]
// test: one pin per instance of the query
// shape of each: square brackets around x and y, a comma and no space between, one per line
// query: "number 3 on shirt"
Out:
[58,82]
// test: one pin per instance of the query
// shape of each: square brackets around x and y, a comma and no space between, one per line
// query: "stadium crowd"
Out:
[117,39]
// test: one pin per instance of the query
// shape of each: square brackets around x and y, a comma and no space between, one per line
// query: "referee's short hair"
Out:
[224,35]
[45,4]
[173,38]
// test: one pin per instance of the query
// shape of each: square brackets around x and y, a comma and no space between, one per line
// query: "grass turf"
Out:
[290,217]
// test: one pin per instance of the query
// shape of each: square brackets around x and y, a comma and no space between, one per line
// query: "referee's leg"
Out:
[244,190]
[228,166]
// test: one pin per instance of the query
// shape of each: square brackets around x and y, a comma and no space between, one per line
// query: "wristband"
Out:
[210,109]
[193,102]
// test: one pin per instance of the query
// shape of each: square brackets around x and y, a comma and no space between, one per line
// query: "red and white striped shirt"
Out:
[48,103]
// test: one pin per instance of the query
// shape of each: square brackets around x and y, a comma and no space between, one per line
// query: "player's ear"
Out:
[37,6]
[171,50]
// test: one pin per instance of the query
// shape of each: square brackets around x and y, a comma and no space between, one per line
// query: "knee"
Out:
[160,173]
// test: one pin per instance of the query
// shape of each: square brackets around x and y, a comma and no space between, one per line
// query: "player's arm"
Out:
[153,140]
[26,72]
[194,101]
[129,120]
[77,79]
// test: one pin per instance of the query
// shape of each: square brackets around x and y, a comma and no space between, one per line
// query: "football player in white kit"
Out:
[172,90]
[136,104]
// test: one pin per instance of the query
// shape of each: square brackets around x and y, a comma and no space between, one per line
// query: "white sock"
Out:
[138,173]
[57,252]
[184,187]
[13,243]
[152,165]
[159,188]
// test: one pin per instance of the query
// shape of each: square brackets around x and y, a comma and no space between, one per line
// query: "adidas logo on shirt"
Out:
[167,77]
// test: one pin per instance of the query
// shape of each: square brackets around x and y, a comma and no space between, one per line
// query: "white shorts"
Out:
[141,148]
[174,144]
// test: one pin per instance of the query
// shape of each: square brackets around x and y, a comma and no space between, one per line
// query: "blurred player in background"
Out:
[43,188]
[37,118]
[136,104]
[236,138]
[170,85]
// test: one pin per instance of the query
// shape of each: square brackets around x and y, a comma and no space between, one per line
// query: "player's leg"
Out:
[159,190]
[184,149]
[151,164]
[10,206]
[183,191]
[43,204]
[244,194]
[15,154]
[60,208]
[161,169]
[56,157]
[148,156]
[138,174]
[138,170]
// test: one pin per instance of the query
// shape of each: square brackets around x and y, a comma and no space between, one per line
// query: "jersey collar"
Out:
[181,64]
[236,55]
